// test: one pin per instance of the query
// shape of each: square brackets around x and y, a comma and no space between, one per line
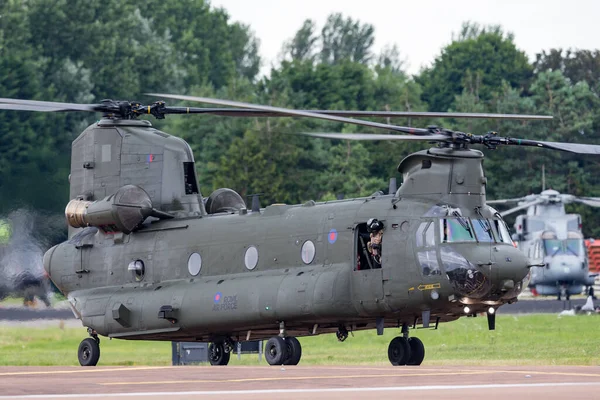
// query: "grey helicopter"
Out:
[149,258]
[546,232]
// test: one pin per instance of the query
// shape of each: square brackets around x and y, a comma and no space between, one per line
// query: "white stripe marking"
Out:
[325,390]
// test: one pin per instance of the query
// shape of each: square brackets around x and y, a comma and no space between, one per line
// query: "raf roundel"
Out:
[332,237]
[218,297]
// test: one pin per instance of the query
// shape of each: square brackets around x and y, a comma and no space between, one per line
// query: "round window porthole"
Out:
[194,264]
[308,252]
[137,269]
[251,257]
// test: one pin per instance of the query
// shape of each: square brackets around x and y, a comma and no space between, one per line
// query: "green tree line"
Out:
[73,51]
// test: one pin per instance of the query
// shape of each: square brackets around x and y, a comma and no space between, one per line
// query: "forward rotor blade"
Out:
[521,207]
[372,136]
[588,201]
[504,201]
[37,105]
[19,107]
[295,113]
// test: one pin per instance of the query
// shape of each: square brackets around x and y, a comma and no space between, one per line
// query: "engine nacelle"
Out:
[119,212]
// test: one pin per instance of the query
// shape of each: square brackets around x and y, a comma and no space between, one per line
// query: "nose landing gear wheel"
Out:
[417,351]
[399,351]
[276,351]
[294,351]
[217,354]
[88,352]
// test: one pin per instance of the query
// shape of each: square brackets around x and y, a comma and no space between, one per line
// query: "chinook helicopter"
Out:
[148,258]
[546,232]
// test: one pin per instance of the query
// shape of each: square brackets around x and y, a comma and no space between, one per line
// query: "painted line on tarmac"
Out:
[80,370]
[292,391]
[294,378]
[558,373]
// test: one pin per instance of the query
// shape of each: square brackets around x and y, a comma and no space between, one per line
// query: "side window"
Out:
[429,263]
[420,230]
[430,235]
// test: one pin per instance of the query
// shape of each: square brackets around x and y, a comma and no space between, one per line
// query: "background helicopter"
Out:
[547,233]
[24,236]
[149,258]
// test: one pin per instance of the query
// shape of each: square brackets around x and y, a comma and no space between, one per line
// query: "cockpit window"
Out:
[552,247]
[574,246]
[502,231]
[456,230]
[555,247]
[483,230]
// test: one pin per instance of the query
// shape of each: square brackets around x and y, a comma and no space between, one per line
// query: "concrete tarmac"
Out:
[298,382]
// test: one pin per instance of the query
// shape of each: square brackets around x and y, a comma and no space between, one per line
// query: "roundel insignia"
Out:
[332,237]
[218,297]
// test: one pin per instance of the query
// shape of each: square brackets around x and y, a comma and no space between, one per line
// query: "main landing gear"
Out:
[403,350]
[219,352]
[283,351]
[89,350]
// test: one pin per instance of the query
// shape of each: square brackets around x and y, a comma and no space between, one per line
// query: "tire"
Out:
[276,351]
[88,352]
[399,351]
[294,351]
[417,351]
[217,354]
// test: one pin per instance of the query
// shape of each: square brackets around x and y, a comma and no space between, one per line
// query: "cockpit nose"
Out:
[47,259]
[485,272]
[566,267]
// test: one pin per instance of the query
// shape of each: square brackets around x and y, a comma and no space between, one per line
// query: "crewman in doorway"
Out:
[375,229]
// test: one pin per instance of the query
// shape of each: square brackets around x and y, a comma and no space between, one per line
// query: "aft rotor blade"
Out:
[570,147]
[244,112]
[588,201]
[294,113]
[504,201]
[521,207]
[372,136]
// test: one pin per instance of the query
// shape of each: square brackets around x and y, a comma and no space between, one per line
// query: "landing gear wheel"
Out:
[276,351]
[399,351]
[417,351]
[294,351]
[88,352]
[217,354]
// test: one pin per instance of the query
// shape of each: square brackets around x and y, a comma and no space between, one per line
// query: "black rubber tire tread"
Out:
[276,351]
[88,352]
[417,351]
[294,351]
[399,351]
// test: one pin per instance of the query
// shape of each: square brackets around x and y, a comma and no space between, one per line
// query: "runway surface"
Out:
[520,307]
[448,382]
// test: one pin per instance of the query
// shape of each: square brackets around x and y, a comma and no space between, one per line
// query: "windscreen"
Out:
[456,230]
[555,247]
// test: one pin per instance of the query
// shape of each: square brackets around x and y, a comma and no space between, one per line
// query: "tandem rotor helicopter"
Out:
[149,258]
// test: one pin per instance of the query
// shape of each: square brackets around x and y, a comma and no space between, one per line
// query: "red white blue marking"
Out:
[332,237]
[218,297]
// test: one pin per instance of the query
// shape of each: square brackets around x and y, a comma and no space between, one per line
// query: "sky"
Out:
[422,28]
